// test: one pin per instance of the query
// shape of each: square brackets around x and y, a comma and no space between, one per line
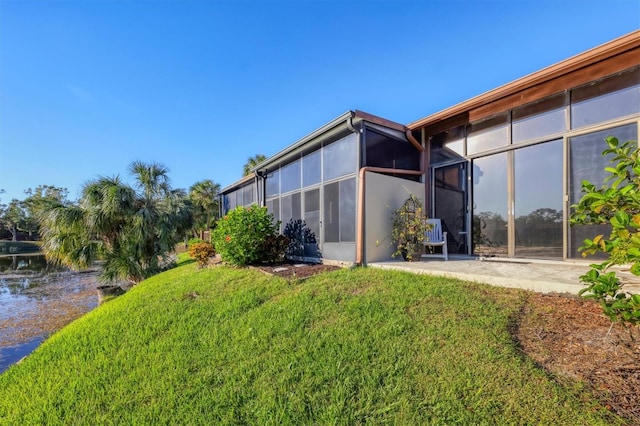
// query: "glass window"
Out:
[225,204]
[340,211]
[248,194]
[379,150]
[273,207]
[348,210]
[538,200]
[490,205]
[232,200]
[332,212]
[312,211]
[447,146]
[273,183]
[290,206]
[311,168]
[384,151]
[340,158]
[290,177]
[285,206]
[488,134]
[406,156]
[543,118]
[608,99]
[450,204]
[587,163]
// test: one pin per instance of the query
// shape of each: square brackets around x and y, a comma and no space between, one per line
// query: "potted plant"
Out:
[409,227]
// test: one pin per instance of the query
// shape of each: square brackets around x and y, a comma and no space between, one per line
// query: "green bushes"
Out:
[618,205]
[201,252]
[249,235]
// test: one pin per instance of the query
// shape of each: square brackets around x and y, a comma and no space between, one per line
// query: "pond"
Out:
[36,300]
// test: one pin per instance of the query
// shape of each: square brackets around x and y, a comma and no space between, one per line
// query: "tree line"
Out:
[131,228]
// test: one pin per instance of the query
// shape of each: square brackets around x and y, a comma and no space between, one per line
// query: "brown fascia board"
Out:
[380,121]
[619,46]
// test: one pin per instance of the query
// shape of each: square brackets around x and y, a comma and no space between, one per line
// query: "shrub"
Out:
[618,205]
[274,248]
[298,234]
[240,236]
[409,227]
[201,252]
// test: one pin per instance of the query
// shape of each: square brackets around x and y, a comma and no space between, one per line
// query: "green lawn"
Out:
[225,346]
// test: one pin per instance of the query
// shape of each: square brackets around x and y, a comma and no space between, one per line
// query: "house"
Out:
[501,169]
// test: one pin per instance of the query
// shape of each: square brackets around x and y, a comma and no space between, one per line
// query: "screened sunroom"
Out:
[321,179]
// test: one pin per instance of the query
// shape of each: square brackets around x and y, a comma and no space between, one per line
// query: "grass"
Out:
[226,346]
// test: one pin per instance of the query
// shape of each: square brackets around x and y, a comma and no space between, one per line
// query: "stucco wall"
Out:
[383,195]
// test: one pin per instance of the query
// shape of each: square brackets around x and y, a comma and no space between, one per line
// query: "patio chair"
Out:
[435,237]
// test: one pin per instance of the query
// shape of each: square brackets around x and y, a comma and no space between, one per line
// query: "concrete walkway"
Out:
[543,276]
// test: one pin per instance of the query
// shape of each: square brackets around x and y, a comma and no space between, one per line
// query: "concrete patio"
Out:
[543,276]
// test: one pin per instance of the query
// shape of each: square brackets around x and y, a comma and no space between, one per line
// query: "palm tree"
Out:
[204,197]
[132,230]
[251,163]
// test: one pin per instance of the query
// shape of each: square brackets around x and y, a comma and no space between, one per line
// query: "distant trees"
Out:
[39,201]
[204,199]
[133,229]
[24,215]
[251,163]
[13,218]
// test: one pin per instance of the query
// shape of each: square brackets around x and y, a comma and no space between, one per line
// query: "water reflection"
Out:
[26,263]
[37,299]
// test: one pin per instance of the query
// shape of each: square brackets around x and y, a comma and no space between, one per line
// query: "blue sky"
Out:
[86,87]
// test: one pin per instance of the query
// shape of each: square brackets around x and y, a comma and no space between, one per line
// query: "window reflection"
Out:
[587,163]
[447,146]
[340,158]
[488,134]
[611,98]
[311,169]
[273,183]
[290,177]
[531,124]
[538,200]
[248,194]
[490,205]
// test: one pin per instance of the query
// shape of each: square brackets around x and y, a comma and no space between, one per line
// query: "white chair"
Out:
[435,237]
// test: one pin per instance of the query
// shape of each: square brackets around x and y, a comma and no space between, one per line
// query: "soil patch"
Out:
[571,339]
[292,270]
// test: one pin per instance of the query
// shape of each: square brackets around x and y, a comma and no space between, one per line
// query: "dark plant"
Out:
[618,204]
[274,248]
[299,234]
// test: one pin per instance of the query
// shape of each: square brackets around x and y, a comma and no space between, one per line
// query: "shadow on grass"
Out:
[185,262]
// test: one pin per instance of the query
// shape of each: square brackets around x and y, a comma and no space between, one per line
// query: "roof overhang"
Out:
[627,47]
[239,183]
[334,129]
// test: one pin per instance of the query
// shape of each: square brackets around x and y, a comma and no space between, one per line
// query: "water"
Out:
[36,300]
